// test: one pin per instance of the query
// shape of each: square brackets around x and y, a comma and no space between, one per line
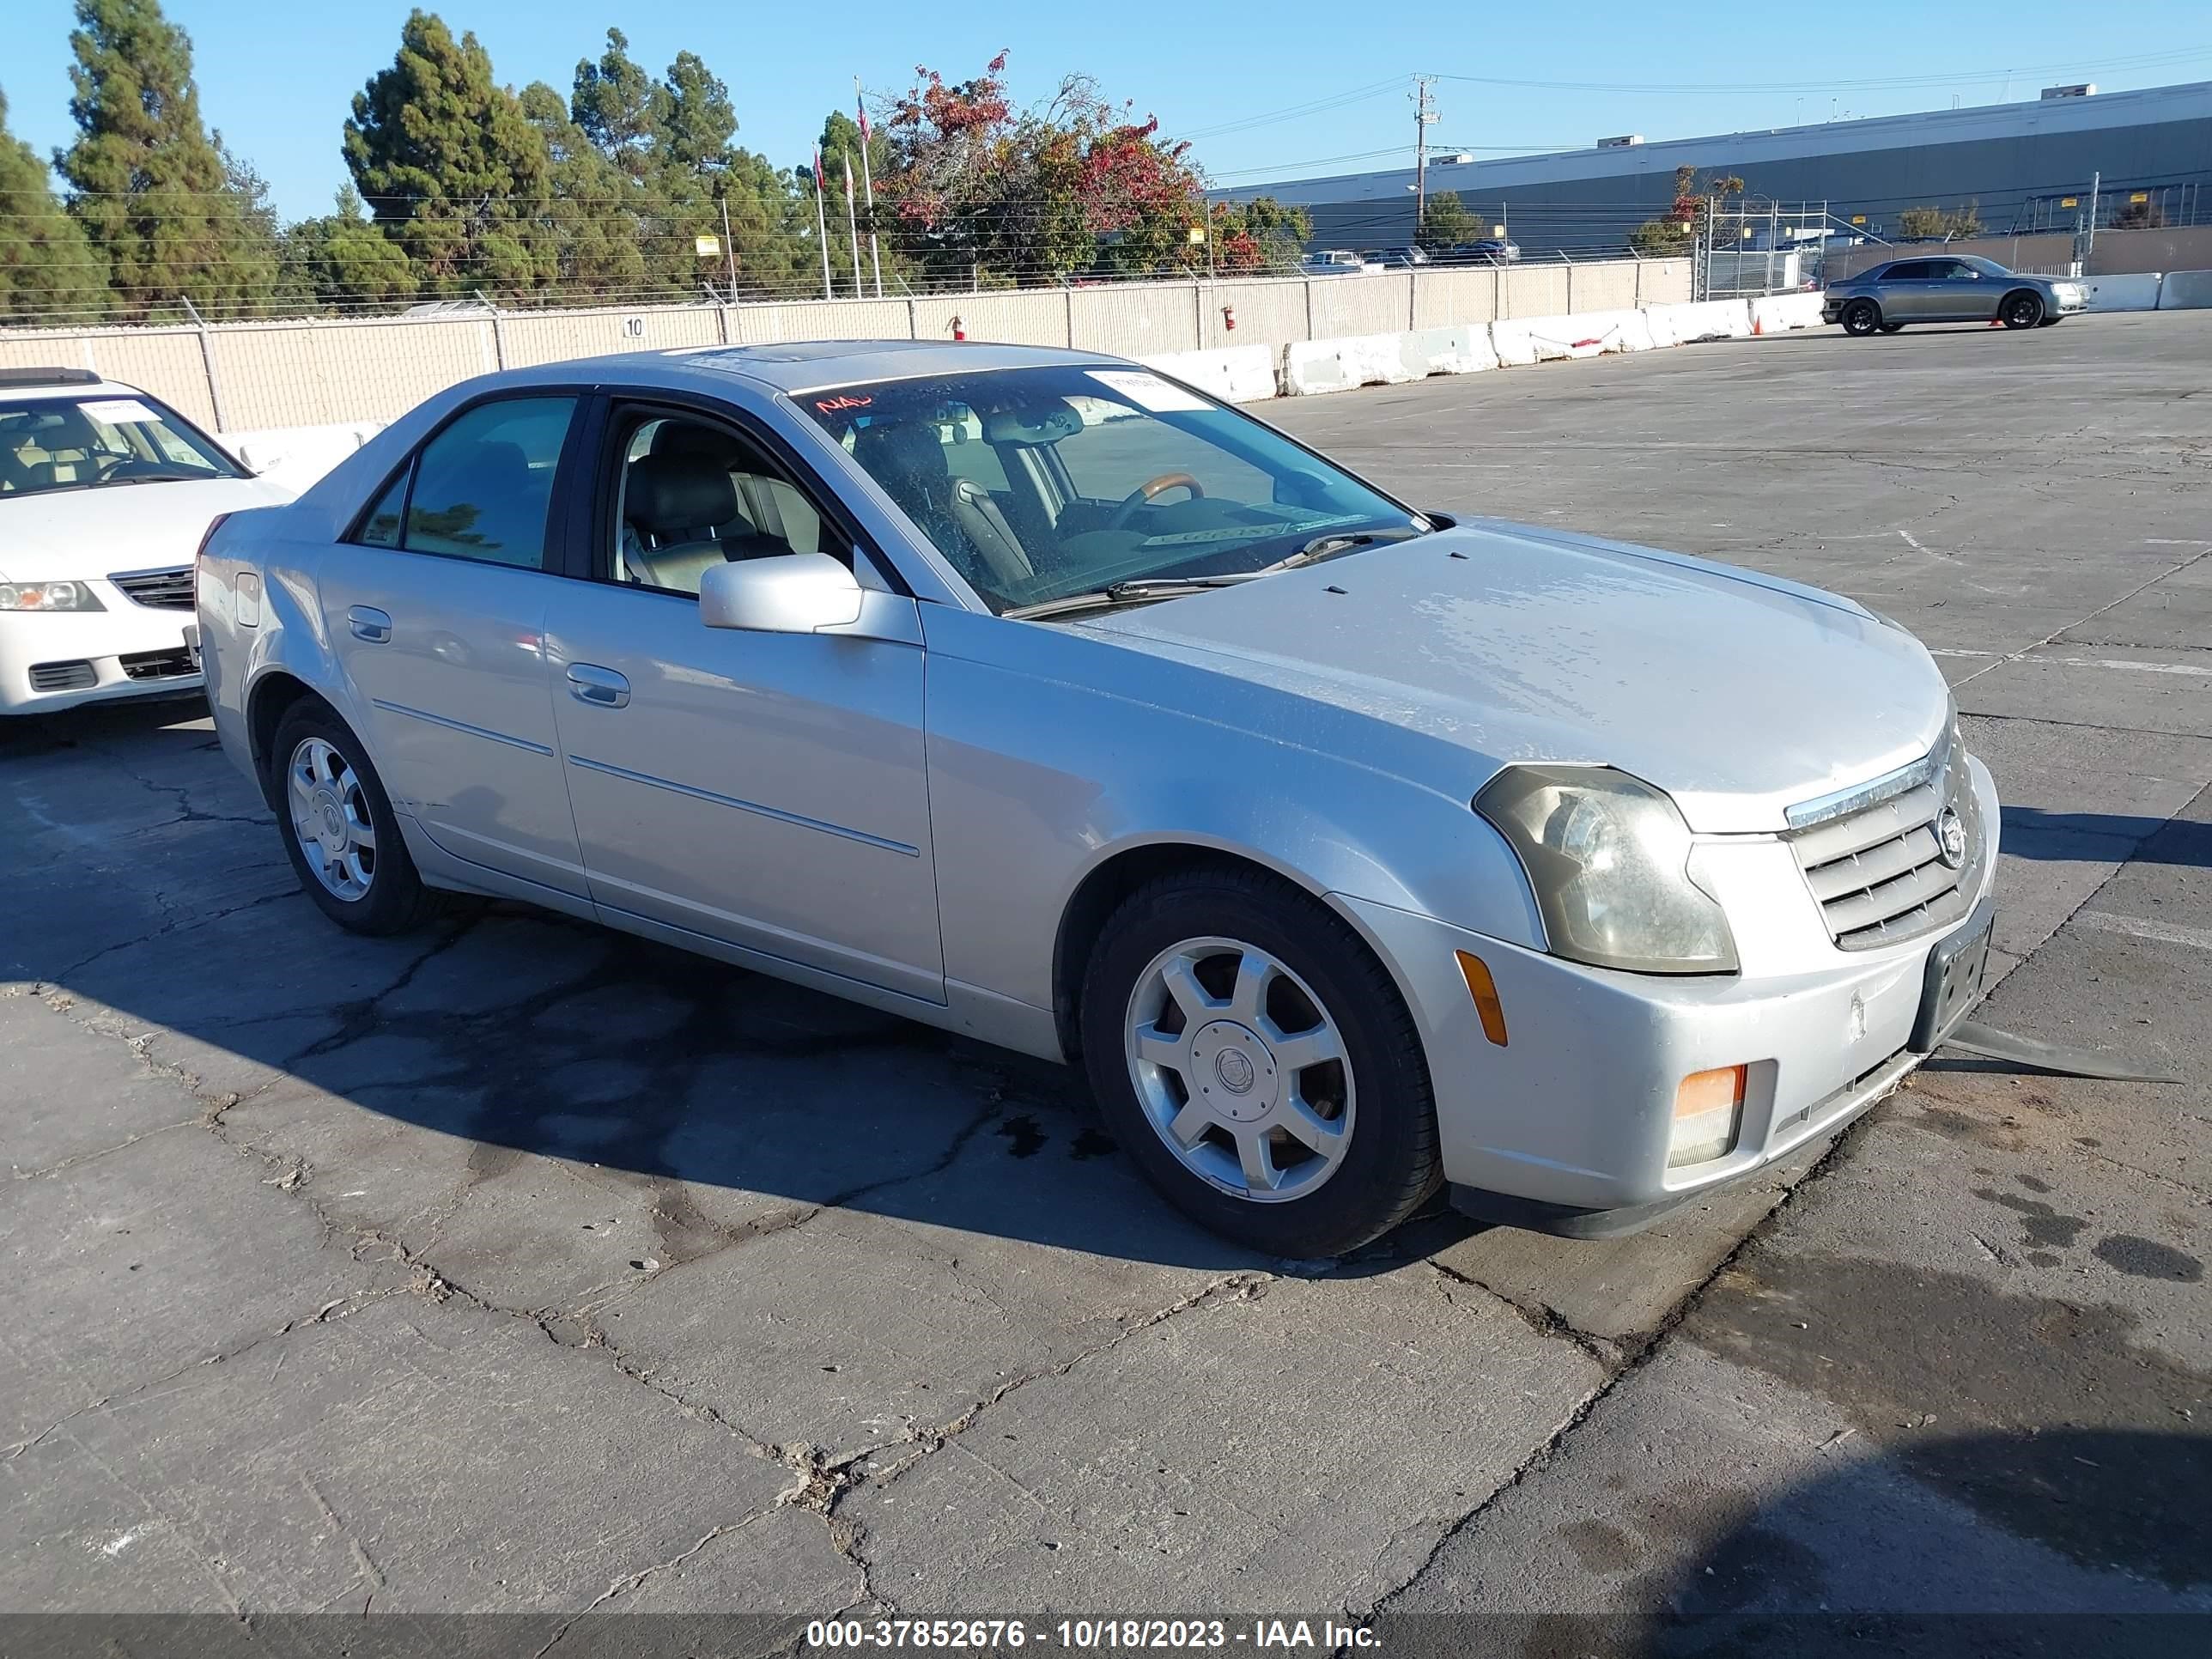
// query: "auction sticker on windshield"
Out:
[117,410]
[1148,391]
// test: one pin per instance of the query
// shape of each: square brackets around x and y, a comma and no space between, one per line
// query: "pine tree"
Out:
[147,185]
[48,271]
[451,167]
[341,262]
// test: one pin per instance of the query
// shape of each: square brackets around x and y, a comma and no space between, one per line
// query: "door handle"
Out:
[369,623]
[600,687]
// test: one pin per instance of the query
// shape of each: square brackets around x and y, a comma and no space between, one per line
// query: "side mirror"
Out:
[789,593]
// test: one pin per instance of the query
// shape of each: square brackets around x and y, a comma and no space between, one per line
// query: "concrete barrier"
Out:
[2137,291]
[1316,366]
[1463,350]
[296,456]
[1709,319]
[1522,340]
[1237,374]
[1771,313]
[2185,290]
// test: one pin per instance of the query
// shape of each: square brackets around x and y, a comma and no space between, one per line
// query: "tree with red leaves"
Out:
[981,190]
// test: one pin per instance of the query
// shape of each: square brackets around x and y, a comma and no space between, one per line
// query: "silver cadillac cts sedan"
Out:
[1352,848]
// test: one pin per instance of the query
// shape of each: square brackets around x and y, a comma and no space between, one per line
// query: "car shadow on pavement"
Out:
[149,881]
[2067,1542]
[2031,833]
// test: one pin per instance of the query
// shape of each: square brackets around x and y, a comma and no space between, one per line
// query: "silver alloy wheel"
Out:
[330,819]
[1240,1069]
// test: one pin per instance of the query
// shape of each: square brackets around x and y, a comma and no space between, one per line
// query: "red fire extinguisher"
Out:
[1228,317]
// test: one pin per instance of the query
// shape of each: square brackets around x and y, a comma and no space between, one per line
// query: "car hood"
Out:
[72,534]
[1738,694]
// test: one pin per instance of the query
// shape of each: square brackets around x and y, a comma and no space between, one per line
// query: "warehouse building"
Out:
[2022,166]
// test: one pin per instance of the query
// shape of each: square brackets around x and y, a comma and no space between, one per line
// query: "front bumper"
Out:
[93,656]
[1573,1116]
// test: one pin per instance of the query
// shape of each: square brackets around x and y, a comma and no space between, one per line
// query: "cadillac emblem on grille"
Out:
[1951,838]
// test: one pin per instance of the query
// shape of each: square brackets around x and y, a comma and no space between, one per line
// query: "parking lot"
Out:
[524,1267]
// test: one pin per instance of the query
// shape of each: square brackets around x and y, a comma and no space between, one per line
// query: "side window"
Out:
[692,495]
[483,485]
[1912,271]
[381,527]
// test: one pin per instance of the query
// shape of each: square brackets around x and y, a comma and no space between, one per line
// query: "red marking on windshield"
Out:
[832,405]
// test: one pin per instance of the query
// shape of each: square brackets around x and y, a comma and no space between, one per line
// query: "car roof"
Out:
[42,382]
[813,365]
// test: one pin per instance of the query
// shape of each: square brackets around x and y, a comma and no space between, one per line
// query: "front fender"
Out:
[1036,781]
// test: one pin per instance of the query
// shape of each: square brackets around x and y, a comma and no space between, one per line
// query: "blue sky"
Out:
[278,80]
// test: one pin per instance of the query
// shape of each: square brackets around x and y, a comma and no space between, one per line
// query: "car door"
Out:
[1908,292]
[1951,293]
[434,607]
[767,790]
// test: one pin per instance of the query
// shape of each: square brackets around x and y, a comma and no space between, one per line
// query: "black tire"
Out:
[1390,1166]
[396,901]
[2022,308]
[1860,317]
[1892,328]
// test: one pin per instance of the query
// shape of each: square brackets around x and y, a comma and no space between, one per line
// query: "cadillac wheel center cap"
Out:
[1951,838]
[1234,1070]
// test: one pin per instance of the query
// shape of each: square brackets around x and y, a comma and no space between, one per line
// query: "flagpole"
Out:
[852,227]
[868,184]
[822,226]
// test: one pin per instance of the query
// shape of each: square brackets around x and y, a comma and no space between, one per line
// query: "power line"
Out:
[2145,60]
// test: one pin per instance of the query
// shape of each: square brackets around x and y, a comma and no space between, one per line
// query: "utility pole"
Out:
[729,247]
[2089,243]
[1424,117]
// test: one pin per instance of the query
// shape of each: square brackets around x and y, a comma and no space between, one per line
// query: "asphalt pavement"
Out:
[520,1267]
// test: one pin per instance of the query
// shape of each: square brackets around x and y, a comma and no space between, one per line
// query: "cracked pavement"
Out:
[518,1266]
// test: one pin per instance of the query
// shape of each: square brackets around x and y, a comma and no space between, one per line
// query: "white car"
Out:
[106,495]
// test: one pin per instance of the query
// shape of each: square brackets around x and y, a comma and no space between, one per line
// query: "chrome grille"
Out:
[162,590]
[1878,871]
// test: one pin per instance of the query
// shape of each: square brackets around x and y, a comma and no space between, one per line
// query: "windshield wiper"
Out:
[1139,590]
[1135,591]
[1336,542]
[151,477]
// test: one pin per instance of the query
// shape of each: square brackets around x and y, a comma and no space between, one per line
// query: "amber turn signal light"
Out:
[1484,990]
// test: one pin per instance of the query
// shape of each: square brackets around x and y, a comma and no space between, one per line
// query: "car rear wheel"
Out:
[338,825]
[2022,309]
[1257,1061]
[1861,316]
[1892,328]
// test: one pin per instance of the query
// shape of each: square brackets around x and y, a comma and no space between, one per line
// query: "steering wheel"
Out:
[1142,495]
[127,466]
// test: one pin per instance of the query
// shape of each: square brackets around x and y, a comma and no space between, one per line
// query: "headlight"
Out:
[48,595]
[1608,857]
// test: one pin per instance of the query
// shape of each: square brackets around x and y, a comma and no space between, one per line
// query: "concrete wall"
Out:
[255,376]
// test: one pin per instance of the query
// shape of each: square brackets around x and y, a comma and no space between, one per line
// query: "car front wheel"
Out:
[1258,1062]
[1861,316]
[2022,309]
[338,825]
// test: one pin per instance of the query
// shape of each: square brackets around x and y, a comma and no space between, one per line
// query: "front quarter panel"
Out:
[1052,752]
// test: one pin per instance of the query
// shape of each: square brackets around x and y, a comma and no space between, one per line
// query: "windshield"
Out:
[1036,483]
[49,444]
